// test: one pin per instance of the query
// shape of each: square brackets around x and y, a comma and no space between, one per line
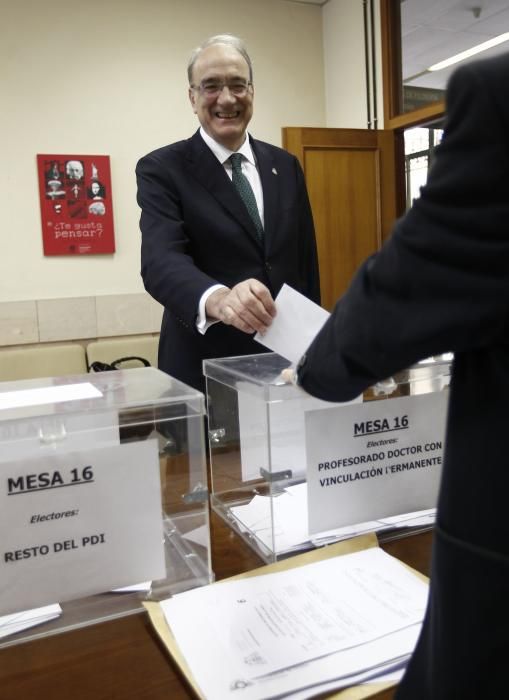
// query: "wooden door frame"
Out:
[394,117]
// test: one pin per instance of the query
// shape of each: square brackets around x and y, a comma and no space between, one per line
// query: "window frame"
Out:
[394,117]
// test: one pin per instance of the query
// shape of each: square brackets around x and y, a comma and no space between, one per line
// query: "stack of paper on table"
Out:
[286,514]
[16,622]
[313,623]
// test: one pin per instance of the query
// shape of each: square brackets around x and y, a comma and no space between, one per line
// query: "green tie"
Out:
[245,190]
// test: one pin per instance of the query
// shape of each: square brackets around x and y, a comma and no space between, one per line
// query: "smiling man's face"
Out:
[223,115]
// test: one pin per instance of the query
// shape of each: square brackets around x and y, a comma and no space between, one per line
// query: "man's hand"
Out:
[288,375]
[248,306]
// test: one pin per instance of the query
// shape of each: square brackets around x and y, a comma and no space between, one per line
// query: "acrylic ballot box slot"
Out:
[104,500]
[290,472]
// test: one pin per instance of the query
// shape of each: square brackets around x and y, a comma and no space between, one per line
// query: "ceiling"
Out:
[433,30]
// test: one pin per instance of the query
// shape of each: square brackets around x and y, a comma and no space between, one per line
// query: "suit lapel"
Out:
[210,173]
[270,186]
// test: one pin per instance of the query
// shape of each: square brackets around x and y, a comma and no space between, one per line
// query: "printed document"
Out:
[280,631]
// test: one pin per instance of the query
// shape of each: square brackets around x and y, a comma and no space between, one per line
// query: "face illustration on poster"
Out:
[96,190]
[74,170]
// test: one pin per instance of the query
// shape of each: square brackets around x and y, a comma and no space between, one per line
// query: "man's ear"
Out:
[192,98]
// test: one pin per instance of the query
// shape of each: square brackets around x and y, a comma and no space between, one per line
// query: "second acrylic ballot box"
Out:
[104,500]
[291,472]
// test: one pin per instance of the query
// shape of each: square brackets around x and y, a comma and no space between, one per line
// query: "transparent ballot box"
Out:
[104,500]
[291,472]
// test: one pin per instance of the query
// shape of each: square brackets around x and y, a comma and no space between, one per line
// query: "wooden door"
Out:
[351,180]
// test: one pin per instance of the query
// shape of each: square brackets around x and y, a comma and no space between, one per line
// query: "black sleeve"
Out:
[441,283]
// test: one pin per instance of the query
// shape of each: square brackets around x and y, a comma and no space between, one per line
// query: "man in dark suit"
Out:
[207,257]
[441,283]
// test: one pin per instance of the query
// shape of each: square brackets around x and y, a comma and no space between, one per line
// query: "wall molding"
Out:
[79,318]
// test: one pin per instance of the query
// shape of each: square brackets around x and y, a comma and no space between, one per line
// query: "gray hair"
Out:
[228,40]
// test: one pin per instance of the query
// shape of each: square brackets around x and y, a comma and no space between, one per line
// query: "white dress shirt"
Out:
[250,170]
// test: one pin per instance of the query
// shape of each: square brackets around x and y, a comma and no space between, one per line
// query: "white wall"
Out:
[108,77]
[344,65]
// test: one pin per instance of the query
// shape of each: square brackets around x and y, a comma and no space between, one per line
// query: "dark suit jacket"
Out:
[196,232]
[441,283]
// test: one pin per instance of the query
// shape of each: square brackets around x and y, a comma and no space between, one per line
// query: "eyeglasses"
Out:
[211,89]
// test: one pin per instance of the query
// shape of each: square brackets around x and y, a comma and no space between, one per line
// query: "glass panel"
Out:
[134,438]
[266,440]
[419,146]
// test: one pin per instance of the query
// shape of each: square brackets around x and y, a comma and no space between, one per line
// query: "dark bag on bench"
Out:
[98,366]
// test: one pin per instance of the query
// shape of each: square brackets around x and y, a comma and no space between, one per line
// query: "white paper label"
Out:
[48,394]
[79,523]
[374,460]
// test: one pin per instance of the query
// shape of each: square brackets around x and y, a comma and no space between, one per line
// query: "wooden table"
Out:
[123,659]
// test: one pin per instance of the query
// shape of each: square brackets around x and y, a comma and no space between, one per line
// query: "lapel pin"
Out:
[274,171]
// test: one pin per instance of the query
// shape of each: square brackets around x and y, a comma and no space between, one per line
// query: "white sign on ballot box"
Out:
[373,460]
[77,523]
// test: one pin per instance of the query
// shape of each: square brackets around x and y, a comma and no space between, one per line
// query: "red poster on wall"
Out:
[76,204]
